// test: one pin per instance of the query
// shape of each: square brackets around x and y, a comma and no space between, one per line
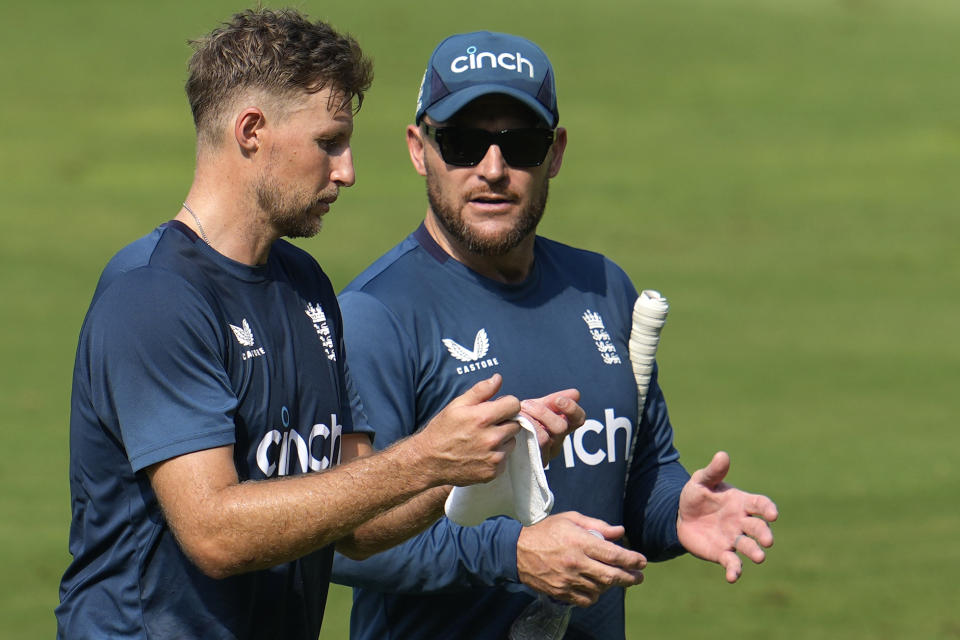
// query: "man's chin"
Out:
[306,229]
[491,245]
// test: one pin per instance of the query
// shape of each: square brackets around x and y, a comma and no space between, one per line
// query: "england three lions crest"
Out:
[319,320]
[600,337]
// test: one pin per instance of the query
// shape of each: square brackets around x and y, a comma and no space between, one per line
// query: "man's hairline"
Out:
[271,102]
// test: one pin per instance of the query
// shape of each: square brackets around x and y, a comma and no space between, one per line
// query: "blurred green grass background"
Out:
[783,170]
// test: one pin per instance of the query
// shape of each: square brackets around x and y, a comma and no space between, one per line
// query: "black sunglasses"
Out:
[465,147]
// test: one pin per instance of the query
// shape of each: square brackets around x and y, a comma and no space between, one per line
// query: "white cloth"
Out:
[520,492]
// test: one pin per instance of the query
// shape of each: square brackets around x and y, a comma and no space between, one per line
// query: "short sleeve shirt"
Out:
[182,350]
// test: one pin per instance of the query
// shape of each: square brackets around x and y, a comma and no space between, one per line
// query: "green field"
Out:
[785,171]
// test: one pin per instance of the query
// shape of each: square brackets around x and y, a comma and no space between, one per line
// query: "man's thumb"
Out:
[717,470]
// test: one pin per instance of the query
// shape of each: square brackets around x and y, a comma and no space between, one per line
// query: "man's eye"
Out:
[331,145]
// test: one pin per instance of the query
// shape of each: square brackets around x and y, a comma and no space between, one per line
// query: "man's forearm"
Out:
[227,527]
[395,526]
[445,557]
[238,527]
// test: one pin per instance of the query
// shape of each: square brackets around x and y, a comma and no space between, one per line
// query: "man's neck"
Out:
[226,221]
[510,268]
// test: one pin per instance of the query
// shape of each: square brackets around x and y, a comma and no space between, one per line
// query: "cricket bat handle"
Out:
[649,316]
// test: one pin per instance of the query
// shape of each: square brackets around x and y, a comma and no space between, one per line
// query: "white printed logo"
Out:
[598,442]
[506,60]
[420,93]
[600,336]
[282,452]
[319,320]
[481,345]
[244,335]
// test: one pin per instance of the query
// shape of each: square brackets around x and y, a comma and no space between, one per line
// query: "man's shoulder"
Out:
[161,272]
[397,286]
[563,249]
[136,254]
[393,269]
[578,263]
[132,259]
[290,254]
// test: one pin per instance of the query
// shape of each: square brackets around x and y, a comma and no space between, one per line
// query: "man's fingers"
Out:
[481,391]
[614,567]
[595,577]
[603,578]
[566,403]
[714,473]
[731,562]
[764,507]
[559,414]
[622,565]
[580,597]
[543,417]
[472,436]
[759,531]
[614,577]
[569,406]
[503,409]
[565,557]
[617,557]
[608,531]
[748,546]
[562,396]
[507,434]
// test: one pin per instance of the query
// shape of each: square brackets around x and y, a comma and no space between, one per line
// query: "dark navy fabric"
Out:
[182,350]
[421,328]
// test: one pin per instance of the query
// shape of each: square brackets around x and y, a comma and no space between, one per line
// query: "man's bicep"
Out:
[156,376]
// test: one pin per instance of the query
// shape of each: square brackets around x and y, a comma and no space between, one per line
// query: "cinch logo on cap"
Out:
[466,66]
[473,60]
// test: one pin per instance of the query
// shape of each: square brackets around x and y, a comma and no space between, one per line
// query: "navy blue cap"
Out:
[469,65]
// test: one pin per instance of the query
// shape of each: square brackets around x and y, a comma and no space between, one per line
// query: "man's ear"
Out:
[247,129]
[556,152]
[415,145]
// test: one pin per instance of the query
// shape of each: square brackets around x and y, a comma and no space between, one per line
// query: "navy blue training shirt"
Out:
[182,350]
[421,329]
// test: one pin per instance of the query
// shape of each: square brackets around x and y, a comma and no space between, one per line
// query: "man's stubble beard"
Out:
[451,219]
[287,211]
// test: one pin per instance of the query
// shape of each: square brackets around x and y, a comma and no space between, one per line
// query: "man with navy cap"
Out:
[474,290]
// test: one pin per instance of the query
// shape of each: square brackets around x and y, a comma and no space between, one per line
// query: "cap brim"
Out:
[445,108]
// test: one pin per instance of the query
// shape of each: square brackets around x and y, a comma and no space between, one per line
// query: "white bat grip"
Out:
[649,315]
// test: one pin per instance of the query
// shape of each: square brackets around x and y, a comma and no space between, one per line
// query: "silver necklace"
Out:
[197,220]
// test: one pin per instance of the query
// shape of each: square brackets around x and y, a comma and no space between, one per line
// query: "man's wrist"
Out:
[414,453]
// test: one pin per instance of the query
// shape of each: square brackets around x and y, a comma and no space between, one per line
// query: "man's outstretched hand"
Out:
[716,520]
